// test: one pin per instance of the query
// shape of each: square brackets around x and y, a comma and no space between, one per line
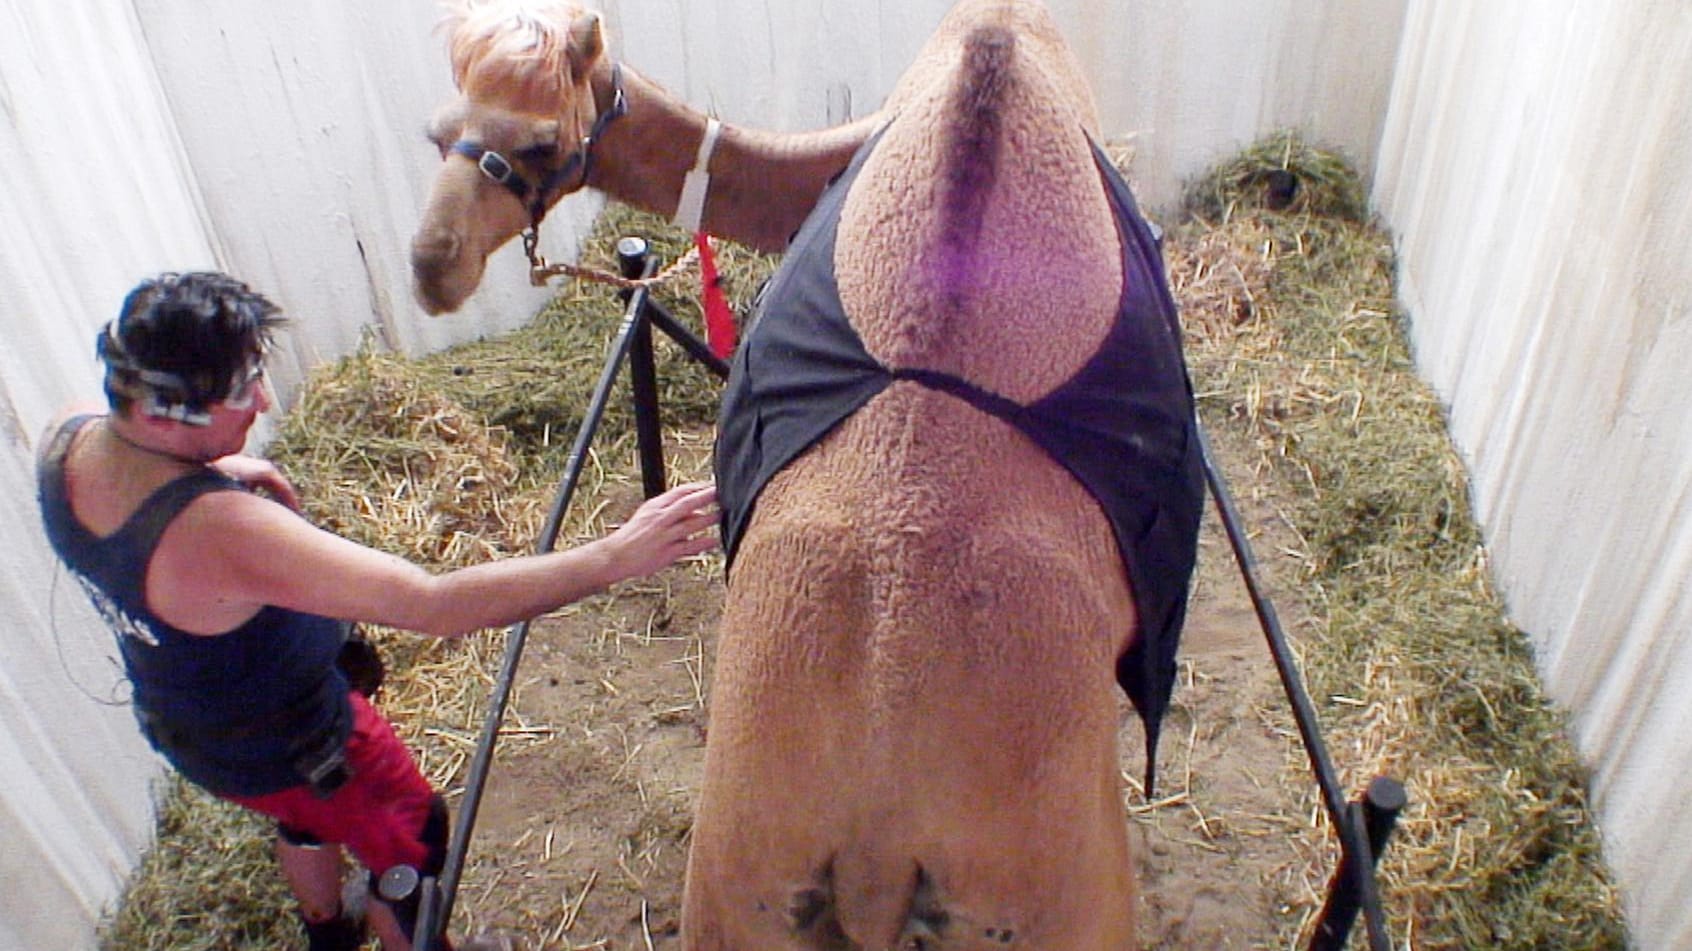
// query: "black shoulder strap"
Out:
[51,469]
[800,369]
[150,520]
[141,532]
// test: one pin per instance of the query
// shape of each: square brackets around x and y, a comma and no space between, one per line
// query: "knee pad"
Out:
[437,828]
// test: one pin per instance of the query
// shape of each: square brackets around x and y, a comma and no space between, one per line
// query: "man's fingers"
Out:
[698,544]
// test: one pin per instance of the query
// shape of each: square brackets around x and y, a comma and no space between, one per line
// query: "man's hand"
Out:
[259,474]
[676,524]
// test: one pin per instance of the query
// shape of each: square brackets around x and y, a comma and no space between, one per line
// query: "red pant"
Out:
[379,814]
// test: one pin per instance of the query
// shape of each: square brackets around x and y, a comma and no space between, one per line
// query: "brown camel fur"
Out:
[913,729]
[533,76]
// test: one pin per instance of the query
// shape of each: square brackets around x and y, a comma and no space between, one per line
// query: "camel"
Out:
[543,112]
[960,488]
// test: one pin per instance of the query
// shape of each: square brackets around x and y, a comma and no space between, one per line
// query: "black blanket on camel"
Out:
[1123,426]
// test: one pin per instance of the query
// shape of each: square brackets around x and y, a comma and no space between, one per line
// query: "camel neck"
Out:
[641,158]
[763,184]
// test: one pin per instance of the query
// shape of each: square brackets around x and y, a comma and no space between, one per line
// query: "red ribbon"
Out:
[719,318]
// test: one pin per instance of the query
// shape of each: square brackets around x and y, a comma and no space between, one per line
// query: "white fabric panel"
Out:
[1199,80]
[93,194]
[1534,168]
[1193,81]
[75,807]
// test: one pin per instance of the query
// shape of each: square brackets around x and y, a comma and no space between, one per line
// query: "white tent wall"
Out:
[93,192]
[1534,170]
[1190,82]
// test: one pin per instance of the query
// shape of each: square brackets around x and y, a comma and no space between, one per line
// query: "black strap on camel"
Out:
[1122,426]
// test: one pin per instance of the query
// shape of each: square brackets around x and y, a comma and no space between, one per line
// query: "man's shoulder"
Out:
[222,506]
[58,421]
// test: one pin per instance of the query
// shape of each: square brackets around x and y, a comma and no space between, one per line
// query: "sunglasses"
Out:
[245,389]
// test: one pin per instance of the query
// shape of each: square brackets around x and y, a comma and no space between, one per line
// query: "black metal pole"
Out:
[686,339]
[1377,809]
[429,929]
[428,911]
[635,262]
[1352,840]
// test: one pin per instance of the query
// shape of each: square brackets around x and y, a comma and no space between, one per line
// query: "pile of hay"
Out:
[1295,341]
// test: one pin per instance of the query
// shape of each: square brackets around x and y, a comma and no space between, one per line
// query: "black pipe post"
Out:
[1377,809]
[412,896]
[428,905]
[635,262]
[1352,839]
[687,340]
[429,929]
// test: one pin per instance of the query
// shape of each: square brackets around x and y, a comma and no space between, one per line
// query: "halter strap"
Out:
[690,211]
[502,171]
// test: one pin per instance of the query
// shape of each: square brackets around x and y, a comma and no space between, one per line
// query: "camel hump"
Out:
[974,135]
[979,225]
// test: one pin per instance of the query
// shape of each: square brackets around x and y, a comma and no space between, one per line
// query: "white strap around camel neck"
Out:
[690,212]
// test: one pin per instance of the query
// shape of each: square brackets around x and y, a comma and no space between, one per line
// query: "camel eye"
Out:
[536,153]
[437,137]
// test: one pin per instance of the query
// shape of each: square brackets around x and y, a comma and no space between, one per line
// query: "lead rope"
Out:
[542,271]
[689,212]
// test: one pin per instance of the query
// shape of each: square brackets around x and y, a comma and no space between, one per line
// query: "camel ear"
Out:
[586,43]
[448,120]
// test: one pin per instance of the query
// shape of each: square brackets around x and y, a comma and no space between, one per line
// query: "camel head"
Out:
[514,141]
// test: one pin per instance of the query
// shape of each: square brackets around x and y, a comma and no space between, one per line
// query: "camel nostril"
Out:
[431,251]
[444,269]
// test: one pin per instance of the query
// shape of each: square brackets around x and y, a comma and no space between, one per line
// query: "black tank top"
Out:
[232,712]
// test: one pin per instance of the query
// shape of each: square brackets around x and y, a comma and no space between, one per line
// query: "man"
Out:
[229,607]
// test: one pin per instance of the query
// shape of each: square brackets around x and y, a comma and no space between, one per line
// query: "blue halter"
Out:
[578,164]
